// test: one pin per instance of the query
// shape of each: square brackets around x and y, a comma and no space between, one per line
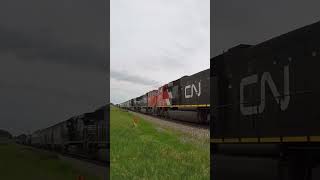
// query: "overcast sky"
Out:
[250,21]
[155,42]
[53,63]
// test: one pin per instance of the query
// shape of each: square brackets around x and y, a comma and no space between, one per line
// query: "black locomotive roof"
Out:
[95,115]
[298,35]
[239,47]
[301,34]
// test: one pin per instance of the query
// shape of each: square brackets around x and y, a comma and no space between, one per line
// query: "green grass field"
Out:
[150,152]
[23,163]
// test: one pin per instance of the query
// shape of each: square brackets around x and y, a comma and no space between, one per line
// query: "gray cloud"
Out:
[62,31]
[53,61]
[234,22]
[31,47]
[155,45]
[124,76]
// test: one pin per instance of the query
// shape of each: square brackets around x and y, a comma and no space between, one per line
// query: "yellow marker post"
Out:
[135,121]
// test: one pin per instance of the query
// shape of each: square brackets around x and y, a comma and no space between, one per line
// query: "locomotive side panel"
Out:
[132,104]
[152,98]
[268,90]
[163,96]
[144,103]
[175,92]
[225,100]
[141,103]
[195,89]
[59,134]
[35,138]
[138,101]
[144,100]
[294,65]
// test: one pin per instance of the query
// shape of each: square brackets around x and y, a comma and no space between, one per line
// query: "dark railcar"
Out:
[138,99]
[145,100]
[269,90]
[21,139]
[195,89]
[126,104]
[189,98]
[175,92]
[141,103]
[96,133]
[36,139]
[144,103]
[132,104]
[264,101]
[85,135]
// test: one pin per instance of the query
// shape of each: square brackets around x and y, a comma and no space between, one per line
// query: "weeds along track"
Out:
[194,129]
[86,159]
[154,151]
[81,157]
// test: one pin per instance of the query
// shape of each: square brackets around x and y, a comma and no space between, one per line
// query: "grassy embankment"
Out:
[150,152]
[24,163]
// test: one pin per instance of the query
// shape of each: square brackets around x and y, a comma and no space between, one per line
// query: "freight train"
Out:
[264,108]
[86,135]
[185,99]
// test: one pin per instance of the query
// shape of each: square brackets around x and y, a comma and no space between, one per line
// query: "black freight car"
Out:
[142,103]
[85,135]
[264,102]
[132,104]
[96,133]
[21,139]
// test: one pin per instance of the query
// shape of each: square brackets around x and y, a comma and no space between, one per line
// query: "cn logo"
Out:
[192,89]
[265,79]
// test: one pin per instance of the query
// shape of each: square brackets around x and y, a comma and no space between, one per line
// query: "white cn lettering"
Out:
[265,79]
[192,89]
